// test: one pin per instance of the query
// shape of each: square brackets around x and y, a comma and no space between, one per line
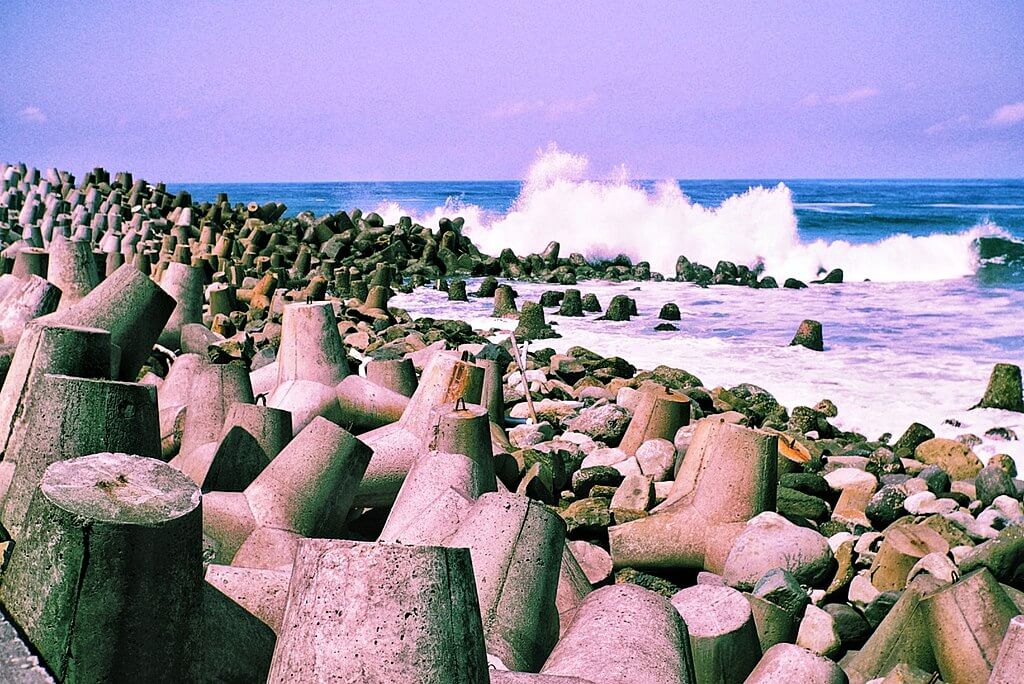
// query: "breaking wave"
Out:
[604,218]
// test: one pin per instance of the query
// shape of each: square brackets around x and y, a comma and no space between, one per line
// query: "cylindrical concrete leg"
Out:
[311,347]
[30,299]
[1009,665]
[63,350]
[218,387]
[774,625]
[902,637]
[788,664]
[517,547]
[312,481]
[380,613]
[397,375]
[464,429]
[105,580]
[492,394]
[966,623]
[132,307]
[185,284]
[723,638]
[423,504]
[270,427]
[72,268]
[365,405]
[446,379]
[227,523]
[606,644]
[71,417]
[658,415]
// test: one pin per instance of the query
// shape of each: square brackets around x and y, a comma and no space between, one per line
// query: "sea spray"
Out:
[603,218]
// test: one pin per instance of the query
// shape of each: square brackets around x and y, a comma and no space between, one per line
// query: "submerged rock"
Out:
[809,335]
[1004,389]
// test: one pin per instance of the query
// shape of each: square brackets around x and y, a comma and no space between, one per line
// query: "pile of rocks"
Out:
[226,458]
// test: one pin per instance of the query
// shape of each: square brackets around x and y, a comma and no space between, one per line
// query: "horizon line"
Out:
[781,179]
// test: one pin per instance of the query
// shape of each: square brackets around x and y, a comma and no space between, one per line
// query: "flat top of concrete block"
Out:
[120,488]
[709,610]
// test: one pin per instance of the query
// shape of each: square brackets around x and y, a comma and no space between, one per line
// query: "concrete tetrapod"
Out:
[789,664]
[727,477]
[185,284]
[657,415]
[492,396]
[422,513]
[395,447]
[517,546]
[55,349]
[397,375]
[901,637]
[131,307]
[216,388]
[68,417]
[30,298]
[71,268]
[306,491]
[966,622]
[311,347]
[723,639]
[1009,665]
[606,644]
[380,613]
[105,581]
[364,405]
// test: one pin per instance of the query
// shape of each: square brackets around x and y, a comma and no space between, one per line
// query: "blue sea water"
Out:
[854,210]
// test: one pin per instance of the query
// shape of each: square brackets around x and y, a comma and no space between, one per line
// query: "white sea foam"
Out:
[895,353]
[603,218]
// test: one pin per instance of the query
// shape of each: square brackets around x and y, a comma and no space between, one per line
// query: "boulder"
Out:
[809,335]
[992,482]
[607,423]
[669,312]
[770,541]
[1004,389]
[960,462]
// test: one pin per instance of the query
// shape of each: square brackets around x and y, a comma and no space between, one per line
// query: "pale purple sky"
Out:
[211,91]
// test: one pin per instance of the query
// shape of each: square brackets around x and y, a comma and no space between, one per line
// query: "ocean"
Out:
[934,291]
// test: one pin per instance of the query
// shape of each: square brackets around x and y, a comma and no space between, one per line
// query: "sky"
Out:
[282,91]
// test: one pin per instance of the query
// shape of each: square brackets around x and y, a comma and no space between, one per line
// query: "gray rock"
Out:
[886,505]
[770,541]
[606,423]
[782,588]
[991,482]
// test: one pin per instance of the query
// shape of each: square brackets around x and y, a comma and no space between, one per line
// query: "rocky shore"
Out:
[226,458]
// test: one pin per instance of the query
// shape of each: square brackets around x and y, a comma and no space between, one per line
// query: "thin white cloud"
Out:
[849,97]
[855,95]
[949,124]
[32,114]
[1007,115]
[554,109]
